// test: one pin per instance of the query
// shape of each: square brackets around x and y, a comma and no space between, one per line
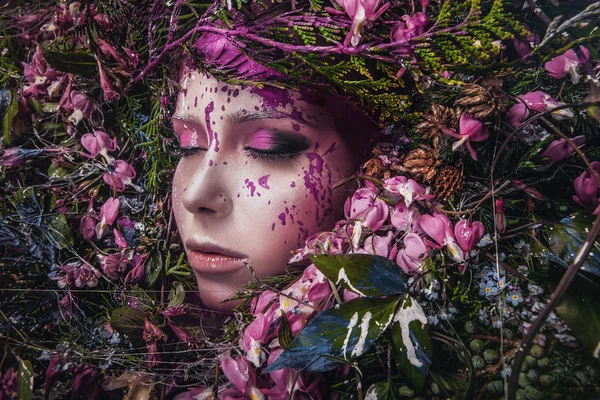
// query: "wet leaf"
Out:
[25,380]
[74,62]
[364,274]
[130,322]
[154,265]
[177,294]
[10,111]
[284,332]
[410,339]
[338,334]
[5,100]
[381,391]
[564,239]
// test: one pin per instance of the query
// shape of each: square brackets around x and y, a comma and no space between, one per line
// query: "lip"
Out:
[212,259]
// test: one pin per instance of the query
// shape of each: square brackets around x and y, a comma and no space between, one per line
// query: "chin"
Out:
[213,296]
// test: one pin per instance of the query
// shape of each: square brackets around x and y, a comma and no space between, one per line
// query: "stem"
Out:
[560,291]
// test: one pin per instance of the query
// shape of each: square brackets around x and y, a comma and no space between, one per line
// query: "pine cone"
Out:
[483,99]
[384,160]
[374,167]
[421,163]
[438,118]
[448,181]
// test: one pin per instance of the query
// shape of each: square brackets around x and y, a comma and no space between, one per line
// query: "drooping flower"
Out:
[561,149]
[365,205]
[43,79]
[567,63]
[405,218]
[500,217]
[78,273]
[524,46]
[409,27]
[439,228]
[107,89]
[380,245]
[241,374]
[537,101]
[152,335]
[586,187]
[98,143]
[257,333]
[409,189]
[470,130]
[468,234]
[361,12]
[108,214]
[77,105]
[119,175]
[137,272]
[113,264]
[413,255]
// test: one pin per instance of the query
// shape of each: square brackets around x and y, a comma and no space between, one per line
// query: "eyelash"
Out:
[280,152]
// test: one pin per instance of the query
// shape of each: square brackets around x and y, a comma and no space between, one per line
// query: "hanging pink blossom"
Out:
[439,228]
[43,79]
[409,189]
[108,214]
[405,218]
[537,101]
[524,46]
[365,205]
[567,63]
[409,27]
[380,245]
[257,333]
[109,93]
[78,273]
[414,253]
[137,272]
[361,12]
[98,143]
[561,149]
[286,381]
[152,335]
[113,264]
[468,234]
[119,239]
[77,105]
[241,374]
[586,187]
[471,130]
[119,175]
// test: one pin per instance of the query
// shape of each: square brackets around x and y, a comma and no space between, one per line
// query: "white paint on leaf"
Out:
[364,331]
[342,277]
[404,317]
[351,325]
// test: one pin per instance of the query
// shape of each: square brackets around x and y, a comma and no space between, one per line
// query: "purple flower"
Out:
[538,101]
[407,188]
[439,228]
[560,149]
[15,156]
[567,63]
[119,175]
[365,206]
[98,143]
[379,245]
[586,187]
[361,12]
[471,130]
[113,264]
[40,76]
[108,214]
[241,374]
[524,46]
[109,93]
[414,253]
[78,273]
[137,272]
[77,105]
[405,218]
[257,333]
[8,386]
[468,234]
[409,27]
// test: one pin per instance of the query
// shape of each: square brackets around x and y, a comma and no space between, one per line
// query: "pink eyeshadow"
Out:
[185,139]
[262,140]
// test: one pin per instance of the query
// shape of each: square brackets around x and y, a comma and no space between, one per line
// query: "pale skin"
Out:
[255,179]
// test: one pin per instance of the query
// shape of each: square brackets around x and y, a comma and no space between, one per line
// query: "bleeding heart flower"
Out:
[471,130]
[468,234]
[524,46]
[241,374]
[439,228]
[107,89]
[361,12]
[119,175]
[405,218]
[365,205]
[567,63]
[108,214]
[407,188]
[538,101]
[98,143]
[560,149]
[379,245]
[586,187]
[414,253]
[257,333]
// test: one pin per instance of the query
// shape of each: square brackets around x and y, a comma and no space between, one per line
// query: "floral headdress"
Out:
[445,278]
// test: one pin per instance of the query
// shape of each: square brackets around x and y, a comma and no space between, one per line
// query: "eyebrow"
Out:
[240,117]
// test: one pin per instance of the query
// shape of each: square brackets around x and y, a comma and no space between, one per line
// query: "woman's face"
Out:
[254,182]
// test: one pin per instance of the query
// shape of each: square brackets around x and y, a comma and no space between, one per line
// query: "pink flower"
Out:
[108,214]
[405,218]
[439,228]
[40,76]
[180,332]
[119,175]
[500,217]
[586,187]
[471,130]
[414,253]
[560,149]
[152,335]
[468,234]
[524,46]
[241,374]
[196,393]
[304,386]
[379,245]
[78,273]
[409,189]
[119,239]
[365,206]
[538,101]
[109,93]
[260,303]
[567,63]
[137,272]
[113,264]
[409,27]
[361,12]
[257,333]
[77,105]
[98,143]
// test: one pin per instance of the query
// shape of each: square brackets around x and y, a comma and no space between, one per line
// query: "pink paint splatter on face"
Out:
[224,88]
[210,163]
[262,181]
[273,226]
[209,109]
[293,184]
[236,93]
[250,185]
[216,142]
[296,127]
[196,102]
[224,162]
[282,218]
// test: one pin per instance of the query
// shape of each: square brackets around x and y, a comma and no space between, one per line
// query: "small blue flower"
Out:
[515,297]
[115,338]
[488,289]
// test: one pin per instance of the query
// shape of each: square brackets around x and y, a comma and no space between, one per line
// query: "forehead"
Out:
[201,90]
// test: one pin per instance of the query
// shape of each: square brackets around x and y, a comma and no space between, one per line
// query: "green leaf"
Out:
[338,334]
[381,391]
[25,380]
[580,309]
[130,322]
[154,265]
[74,62]
[10,111]
[58,230]
[177,294]
[410,339]
[363,274]
[284,333]
[564,240]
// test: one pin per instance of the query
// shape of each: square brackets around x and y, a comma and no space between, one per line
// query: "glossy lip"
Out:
[211,258]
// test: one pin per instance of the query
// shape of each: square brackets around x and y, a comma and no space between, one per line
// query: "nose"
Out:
[205,192]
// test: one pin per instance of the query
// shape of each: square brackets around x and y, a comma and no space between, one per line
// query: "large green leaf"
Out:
[10,109]
[74,62]
[364,274]
[410,338]
[130,322]
[565,238]
[381,391]
[580,309]
[25,380]
[154,265]
[337,334]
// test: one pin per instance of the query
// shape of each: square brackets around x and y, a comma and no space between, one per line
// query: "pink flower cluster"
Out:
[44,81]
[77,273]
[119,173]
[537,101]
